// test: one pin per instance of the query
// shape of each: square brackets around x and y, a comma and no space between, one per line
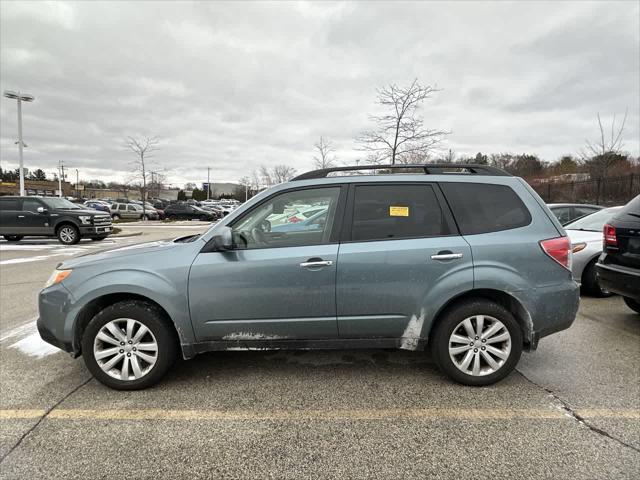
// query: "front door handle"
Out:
[446,256]
[20,216]
[316,263]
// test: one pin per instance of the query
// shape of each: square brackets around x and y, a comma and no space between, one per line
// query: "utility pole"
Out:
[208,184]
[246,192]
[77,188]
[60,177]
[20,97]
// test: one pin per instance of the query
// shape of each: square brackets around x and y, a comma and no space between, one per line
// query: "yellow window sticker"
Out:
[398,211]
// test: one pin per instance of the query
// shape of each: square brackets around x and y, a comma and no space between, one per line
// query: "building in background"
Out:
[43,188]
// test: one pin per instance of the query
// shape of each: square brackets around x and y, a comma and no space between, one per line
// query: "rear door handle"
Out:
[20,216]
[446,256]
[316,263]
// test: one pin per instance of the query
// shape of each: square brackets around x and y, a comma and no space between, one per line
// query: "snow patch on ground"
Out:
[30,344]
[34,346]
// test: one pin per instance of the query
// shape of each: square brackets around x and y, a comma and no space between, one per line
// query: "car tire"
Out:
[98,353]
[115,216]
[204,218]
[68,234]
[172,218]
[13,238]
[632,304]
[452,355]
[590,284]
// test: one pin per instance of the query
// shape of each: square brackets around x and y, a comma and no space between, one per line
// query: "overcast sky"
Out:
[236,85]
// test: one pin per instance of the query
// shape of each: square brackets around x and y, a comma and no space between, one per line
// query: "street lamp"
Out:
[20,97]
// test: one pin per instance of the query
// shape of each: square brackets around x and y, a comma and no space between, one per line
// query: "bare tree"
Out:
[400,133]
[265,176]
[255,179]
[325,157]
[599,157]
[245,188]
[143,149]
[282,173]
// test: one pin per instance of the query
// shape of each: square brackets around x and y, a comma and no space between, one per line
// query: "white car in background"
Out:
[585,234]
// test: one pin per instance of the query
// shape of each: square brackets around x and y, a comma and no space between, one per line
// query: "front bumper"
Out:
[54,306]
[624,281]
[88,230]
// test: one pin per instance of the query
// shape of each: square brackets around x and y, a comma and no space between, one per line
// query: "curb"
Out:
[121,235]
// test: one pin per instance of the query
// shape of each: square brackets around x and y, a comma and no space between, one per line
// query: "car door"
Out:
[31,221]
[272,285]
[400,242]
[9,211]
[133,212]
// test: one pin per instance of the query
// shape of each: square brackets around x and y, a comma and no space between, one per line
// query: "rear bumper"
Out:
[624,281]
[551,309]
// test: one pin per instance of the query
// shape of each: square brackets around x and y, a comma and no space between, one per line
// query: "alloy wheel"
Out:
[125,349]
[67,234]
[480,345]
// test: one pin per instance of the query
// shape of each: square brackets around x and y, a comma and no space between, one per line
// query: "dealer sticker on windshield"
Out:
[398,211]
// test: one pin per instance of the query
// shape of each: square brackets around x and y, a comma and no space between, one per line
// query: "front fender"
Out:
[171,295]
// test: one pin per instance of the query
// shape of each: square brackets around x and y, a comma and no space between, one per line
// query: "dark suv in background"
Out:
[618,268]
[51,217]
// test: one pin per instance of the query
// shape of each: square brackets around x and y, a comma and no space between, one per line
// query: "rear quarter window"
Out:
[484,208]
[9,204]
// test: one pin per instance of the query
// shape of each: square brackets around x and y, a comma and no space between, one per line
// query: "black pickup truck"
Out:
[51,217]
[618,267]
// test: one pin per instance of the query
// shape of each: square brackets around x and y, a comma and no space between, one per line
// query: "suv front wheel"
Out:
[477,342]
[68,234]
[129,345]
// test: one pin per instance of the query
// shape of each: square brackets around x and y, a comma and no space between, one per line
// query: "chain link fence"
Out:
[606,191]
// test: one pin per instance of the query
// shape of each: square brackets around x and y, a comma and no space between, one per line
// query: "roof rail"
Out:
[428,169]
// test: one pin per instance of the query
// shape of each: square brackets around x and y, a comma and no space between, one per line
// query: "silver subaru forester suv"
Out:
[464,259]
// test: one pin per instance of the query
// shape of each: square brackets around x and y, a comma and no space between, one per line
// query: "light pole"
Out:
[20,97]
[208,184]
[77,188]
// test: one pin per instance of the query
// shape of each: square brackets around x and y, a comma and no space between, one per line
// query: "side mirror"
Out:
[41,210]
[223,239]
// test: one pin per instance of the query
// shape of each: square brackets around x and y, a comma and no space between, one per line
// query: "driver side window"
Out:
[290,219]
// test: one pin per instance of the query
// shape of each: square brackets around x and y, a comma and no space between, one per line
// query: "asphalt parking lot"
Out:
[572,408]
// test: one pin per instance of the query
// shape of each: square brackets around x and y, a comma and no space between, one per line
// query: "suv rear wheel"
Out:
[13,238]
[129,345]
[477,342]
[68,234]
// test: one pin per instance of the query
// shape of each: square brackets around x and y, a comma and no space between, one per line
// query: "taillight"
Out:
[559,249]
[610,239]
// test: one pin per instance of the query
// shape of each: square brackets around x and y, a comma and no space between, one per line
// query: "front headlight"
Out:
[57,276]
[85,219]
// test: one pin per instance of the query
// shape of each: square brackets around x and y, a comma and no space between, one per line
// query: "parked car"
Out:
[98,205]
[315,221]
[618,268]
[132,211]
[185,211]
[586,241]
[51,217]
[568,212]
[473,264]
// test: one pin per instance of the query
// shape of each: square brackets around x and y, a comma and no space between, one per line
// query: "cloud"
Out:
[236,85]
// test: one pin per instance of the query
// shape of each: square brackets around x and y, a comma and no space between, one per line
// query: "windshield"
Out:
[60,203]
[594,222]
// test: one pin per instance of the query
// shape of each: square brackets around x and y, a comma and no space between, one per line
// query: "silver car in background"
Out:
[586,241]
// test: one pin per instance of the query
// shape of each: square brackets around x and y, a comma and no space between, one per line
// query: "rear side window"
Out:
[8,203]
[383,212]
[483,208]
[30,205]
